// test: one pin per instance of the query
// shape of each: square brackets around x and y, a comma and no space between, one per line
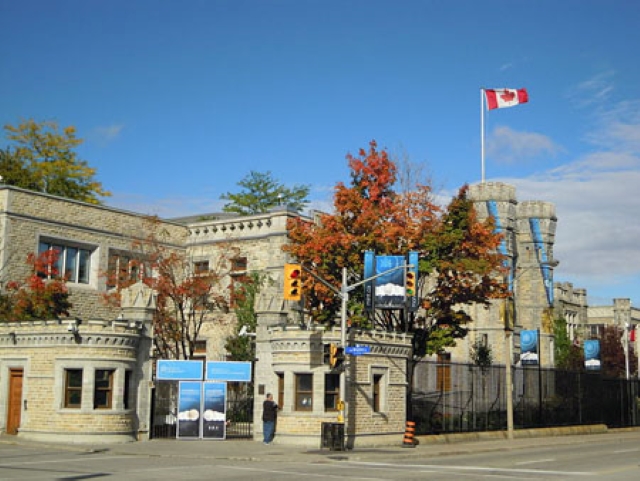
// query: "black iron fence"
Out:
[239,414]
[450,397]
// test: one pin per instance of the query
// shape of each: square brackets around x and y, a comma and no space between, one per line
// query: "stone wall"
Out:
[289,351]
[27,217]
[44,349]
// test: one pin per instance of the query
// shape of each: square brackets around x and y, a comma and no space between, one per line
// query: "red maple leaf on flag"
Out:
[507,95]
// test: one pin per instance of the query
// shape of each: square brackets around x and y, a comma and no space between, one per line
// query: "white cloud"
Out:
[595,90]
[507,145]
[597,203]
[106,134]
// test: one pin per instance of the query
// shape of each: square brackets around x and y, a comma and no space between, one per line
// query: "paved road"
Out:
[613,456]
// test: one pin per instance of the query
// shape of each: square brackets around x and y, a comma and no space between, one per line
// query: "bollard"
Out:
[409,441]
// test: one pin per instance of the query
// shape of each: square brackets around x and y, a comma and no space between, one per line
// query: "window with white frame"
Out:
[72,262]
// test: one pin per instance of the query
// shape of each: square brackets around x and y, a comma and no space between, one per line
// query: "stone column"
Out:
[138,303]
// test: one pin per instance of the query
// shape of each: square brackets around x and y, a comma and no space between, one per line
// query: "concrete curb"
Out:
[517,434]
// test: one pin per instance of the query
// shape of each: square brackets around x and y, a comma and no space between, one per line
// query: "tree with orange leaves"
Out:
[187,296]
[459,256]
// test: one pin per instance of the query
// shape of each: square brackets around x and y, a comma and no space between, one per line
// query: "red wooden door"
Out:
[15,400]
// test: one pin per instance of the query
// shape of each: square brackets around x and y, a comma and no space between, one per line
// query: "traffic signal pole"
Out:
[344,296]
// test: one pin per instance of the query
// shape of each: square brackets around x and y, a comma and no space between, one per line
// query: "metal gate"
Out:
[164,410]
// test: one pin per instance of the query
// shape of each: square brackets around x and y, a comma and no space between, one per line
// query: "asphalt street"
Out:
[613,456]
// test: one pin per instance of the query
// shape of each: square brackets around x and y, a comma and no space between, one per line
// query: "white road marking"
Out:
[476,468]
[522,463]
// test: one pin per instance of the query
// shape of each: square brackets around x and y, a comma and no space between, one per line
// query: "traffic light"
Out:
[410,283]
[326,354]
[292,282]
[336,356]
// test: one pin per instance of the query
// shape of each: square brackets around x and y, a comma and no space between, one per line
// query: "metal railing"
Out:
[450,397]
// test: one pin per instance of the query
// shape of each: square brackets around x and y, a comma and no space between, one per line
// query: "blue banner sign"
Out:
[214,412]
[232,371]
[357,350]
[528,347]
[189,409]
[167,370]
[592,354]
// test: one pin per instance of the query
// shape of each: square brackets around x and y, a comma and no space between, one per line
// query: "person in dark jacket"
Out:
[269,416]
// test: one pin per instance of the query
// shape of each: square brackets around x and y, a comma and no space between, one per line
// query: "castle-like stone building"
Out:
[89,376]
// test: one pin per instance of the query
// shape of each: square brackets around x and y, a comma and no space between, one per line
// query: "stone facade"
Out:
[46,352]
[29,218]
[376,385]
[529,235]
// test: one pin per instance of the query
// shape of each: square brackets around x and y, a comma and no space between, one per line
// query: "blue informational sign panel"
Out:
[214,414]
[231,371]
[167,370]
[189,409]
[386,288]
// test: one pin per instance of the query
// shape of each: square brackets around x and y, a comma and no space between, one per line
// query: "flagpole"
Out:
[482,132]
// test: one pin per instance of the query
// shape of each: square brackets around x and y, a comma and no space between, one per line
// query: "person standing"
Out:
[269,416]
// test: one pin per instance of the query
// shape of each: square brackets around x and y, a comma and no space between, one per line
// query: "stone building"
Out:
[51,371]
[289,350]
[529,229]
[75,380]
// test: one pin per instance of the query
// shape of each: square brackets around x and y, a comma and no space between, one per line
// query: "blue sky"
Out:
[178,100]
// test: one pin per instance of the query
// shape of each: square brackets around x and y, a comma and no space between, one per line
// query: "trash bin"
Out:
[332,436]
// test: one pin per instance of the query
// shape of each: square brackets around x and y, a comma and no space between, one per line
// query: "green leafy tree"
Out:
[568,355]
[42,158]
[481,355]
[261,192]
[15,172]
[242,348]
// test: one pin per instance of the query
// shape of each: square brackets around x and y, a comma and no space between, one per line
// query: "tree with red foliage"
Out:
[185,298]
[458,254]
[42,295]
[612,355]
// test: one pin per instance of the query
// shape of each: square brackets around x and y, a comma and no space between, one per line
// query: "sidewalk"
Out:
[429,447]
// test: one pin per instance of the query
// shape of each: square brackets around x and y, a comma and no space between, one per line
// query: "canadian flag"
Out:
[501,98]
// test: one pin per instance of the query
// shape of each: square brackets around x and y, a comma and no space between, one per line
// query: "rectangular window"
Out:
[201,267]
[128,389]
[239,264]
[331,391]
[103,392]
[280,400]
[125,268]
[304,392]
[443,372]
[377,379]
[238,279]
[72,262]
[200,350]
[73,388]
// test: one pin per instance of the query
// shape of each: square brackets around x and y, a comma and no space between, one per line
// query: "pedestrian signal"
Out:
[292,282]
